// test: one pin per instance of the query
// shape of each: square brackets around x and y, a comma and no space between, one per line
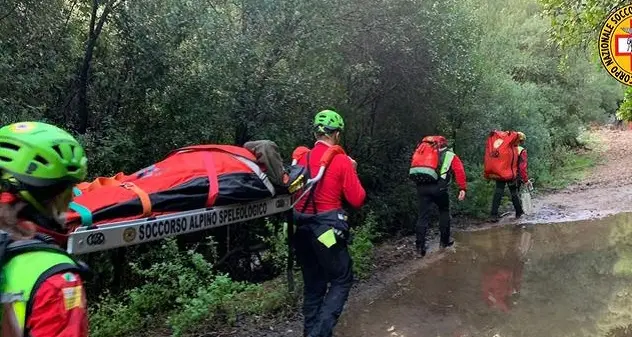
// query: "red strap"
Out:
[232,149]
[329,155]
[213,189]
[7,198]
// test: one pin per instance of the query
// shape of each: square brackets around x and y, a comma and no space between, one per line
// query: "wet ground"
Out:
[565,270]
[606,189]
[565,279]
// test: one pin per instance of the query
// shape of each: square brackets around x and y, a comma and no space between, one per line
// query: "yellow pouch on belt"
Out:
[328,238]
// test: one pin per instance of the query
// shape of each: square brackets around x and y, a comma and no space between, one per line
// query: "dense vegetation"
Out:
[578,24]
[136,79]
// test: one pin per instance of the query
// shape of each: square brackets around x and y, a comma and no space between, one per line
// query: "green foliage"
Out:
[276,254]
[625,109]
[183,290]
[478,197]
[223,301]
[571,166]
[362,247]
[176,275]
[577,23]
[209,302]
[164,74]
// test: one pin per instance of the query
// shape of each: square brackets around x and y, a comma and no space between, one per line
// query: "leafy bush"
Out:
[210,301]
[396,70]
[276,241]
[362,246]
[180,283]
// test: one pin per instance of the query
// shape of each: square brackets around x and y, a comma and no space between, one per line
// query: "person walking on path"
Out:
[432,168]
[513,185]
[322,235]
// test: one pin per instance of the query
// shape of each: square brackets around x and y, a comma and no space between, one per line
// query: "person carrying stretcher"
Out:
[322,233]
[42,286]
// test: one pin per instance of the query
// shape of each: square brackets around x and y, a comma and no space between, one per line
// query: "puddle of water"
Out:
[564,279]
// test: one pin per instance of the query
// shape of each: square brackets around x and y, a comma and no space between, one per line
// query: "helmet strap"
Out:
[41,219]
[26,196]
[51,217]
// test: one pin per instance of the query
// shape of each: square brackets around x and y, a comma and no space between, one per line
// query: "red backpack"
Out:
[424,166]
[501,155]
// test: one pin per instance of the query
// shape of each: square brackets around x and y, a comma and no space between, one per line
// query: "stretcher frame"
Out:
[107,236]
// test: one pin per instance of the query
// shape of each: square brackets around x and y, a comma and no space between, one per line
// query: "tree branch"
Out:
[4,16]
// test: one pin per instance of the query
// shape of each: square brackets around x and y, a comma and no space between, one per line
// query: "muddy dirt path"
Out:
[605,190]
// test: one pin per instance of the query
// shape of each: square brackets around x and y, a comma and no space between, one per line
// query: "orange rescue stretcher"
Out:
[193,188]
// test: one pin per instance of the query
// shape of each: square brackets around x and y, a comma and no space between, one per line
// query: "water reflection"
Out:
[567,279]
[502,277]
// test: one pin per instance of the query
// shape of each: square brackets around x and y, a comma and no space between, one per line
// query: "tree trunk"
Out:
[83,105]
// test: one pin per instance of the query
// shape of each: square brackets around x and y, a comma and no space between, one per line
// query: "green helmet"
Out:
[328,121]
[41,155]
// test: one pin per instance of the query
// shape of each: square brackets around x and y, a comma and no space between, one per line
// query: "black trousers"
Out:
[322,266]
[428,195]
[498,195]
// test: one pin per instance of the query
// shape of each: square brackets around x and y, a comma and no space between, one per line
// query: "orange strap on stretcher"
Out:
[86,214]
[145,201]
[101,182]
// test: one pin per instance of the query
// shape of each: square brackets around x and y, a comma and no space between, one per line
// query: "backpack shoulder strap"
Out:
[310,196]
[5,241]
[10,249]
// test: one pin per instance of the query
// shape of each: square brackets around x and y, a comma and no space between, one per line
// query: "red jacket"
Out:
[59,308]
[522,166]
[339,181]
[459,173]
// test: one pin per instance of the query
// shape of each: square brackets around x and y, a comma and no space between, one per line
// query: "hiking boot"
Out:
[447,245]
[518,215]
[420,250]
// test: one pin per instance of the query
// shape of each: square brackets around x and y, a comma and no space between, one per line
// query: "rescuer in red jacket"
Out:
[432,168]
[322,233]
[42,286]
[522,178]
